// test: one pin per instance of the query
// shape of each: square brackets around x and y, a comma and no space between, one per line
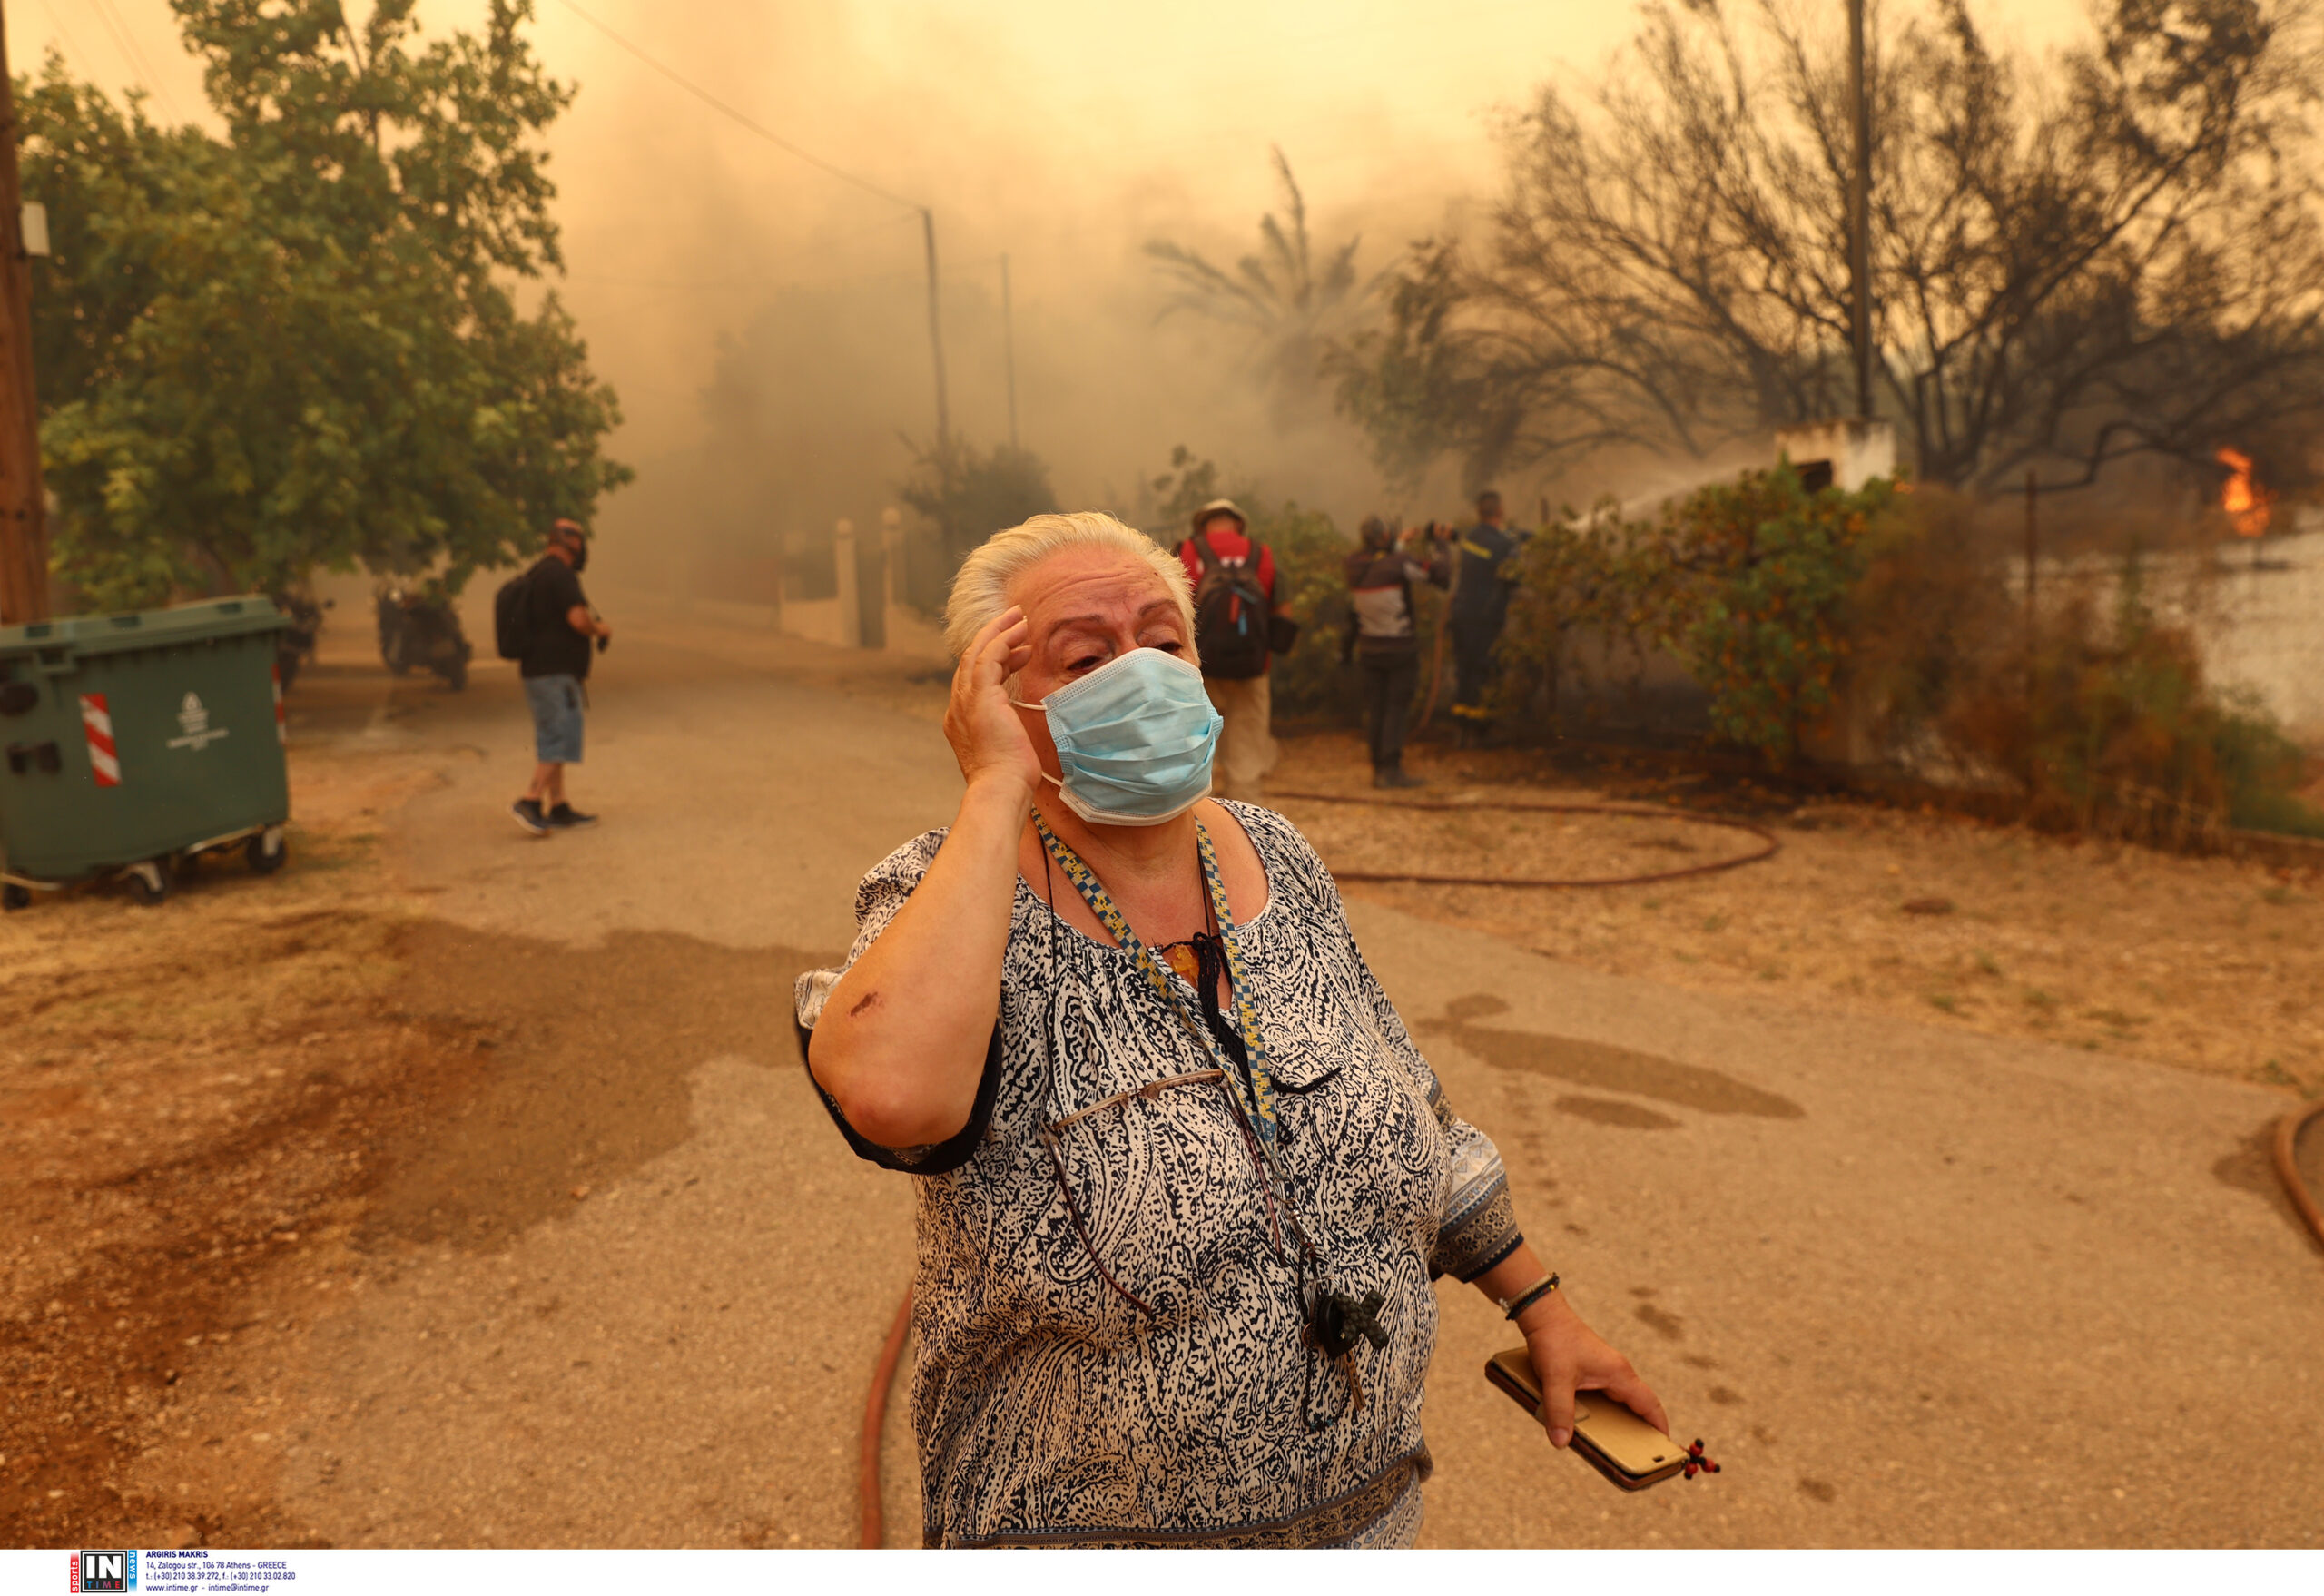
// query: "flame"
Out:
[2247,504]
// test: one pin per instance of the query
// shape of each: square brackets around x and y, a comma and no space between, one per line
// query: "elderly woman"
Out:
[1183,1179]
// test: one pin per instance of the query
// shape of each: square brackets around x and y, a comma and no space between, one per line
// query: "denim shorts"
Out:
[557,705]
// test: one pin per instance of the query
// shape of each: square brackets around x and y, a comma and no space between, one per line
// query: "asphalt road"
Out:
[1911,1287]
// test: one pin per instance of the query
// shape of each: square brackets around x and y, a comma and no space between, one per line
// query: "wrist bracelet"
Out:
[1529,1295]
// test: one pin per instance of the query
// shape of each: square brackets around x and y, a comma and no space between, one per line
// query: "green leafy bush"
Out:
[1747,583]
[2118,732]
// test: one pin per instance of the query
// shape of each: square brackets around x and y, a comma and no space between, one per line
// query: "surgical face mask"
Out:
[1134,738]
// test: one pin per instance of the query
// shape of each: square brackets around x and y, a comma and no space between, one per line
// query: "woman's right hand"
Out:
[986,737]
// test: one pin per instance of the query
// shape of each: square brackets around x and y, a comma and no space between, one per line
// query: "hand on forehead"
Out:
[1085,606]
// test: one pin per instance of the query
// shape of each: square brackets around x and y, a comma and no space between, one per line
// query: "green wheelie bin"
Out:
[136,742]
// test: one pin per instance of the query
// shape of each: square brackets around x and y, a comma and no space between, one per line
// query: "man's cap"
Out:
[562,524]
[1488,494]
[1220,506]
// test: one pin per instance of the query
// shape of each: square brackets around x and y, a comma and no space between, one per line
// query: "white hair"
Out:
[981,590]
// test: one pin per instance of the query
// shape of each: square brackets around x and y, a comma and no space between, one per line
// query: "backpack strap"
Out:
[1209,556]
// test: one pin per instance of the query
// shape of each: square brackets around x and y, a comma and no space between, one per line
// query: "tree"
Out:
[1291,309]
[2130,264]
[299,344]
[971,494]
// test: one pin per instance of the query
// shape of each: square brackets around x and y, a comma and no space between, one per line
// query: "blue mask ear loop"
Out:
[1058,782]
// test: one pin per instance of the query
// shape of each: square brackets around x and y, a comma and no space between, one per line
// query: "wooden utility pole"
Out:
[23,521]
[936,335]
[1009,347]
[1860,217]
[2033,640]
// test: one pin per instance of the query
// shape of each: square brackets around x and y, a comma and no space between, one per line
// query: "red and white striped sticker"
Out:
[96,723]
[280,735]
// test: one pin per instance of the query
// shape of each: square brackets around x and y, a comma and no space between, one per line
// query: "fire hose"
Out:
[883,1373]
[2288,1170]
[875,1417]
[1768,849]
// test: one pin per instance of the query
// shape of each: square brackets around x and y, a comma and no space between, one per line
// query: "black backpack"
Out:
[512,615]
[1230,614]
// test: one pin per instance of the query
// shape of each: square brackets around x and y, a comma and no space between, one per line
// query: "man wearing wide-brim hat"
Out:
[1238,631]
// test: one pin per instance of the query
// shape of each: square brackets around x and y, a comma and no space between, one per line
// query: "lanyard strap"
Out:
[1255,1086]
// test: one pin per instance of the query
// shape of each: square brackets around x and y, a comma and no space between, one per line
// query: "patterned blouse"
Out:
[1113,1318]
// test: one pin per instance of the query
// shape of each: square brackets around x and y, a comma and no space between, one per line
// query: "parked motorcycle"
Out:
[420,629]
[295,645]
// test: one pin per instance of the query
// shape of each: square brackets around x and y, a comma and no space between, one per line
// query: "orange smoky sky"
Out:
[1062,133]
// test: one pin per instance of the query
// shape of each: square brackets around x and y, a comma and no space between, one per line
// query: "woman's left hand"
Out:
[1568,1355]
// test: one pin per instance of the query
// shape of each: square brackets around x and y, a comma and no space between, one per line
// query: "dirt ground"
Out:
[198,1102]
[2207,963]
[221,1119]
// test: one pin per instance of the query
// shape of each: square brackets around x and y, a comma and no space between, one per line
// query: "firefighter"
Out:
[1486,576]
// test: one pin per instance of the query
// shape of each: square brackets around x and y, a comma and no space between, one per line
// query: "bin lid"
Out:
[147,628]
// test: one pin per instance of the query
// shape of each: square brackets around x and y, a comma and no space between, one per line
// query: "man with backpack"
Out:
[1382,639]
[1235,630]
[542,620]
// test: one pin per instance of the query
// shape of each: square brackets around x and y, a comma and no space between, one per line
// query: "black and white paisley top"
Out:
[1110,1321]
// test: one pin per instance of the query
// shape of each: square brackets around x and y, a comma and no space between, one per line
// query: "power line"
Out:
[113,36]
[724,109]
[63,32]
[140,68]
[760,280]
[927,215]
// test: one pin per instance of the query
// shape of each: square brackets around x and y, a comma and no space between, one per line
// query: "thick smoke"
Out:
[765,324]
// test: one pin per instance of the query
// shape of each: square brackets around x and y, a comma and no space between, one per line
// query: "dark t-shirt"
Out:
[1480,597]
[556,650]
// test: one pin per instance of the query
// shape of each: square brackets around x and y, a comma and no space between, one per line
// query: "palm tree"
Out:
[1292,310]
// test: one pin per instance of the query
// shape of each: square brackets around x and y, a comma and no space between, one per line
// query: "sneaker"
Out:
[1396,775]
[527,812]
[566,818]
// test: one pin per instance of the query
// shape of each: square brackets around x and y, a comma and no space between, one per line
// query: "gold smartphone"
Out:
[1609,1438]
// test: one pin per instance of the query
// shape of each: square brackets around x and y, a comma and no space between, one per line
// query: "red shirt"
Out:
[1230,544]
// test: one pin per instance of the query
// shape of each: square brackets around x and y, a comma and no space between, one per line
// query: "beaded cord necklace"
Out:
[1254,1082]
[1335,1323]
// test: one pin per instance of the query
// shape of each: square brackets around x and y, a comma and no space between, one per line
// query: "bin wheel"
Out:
[263,860]
[147,883]
[14,897]
[186,866]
